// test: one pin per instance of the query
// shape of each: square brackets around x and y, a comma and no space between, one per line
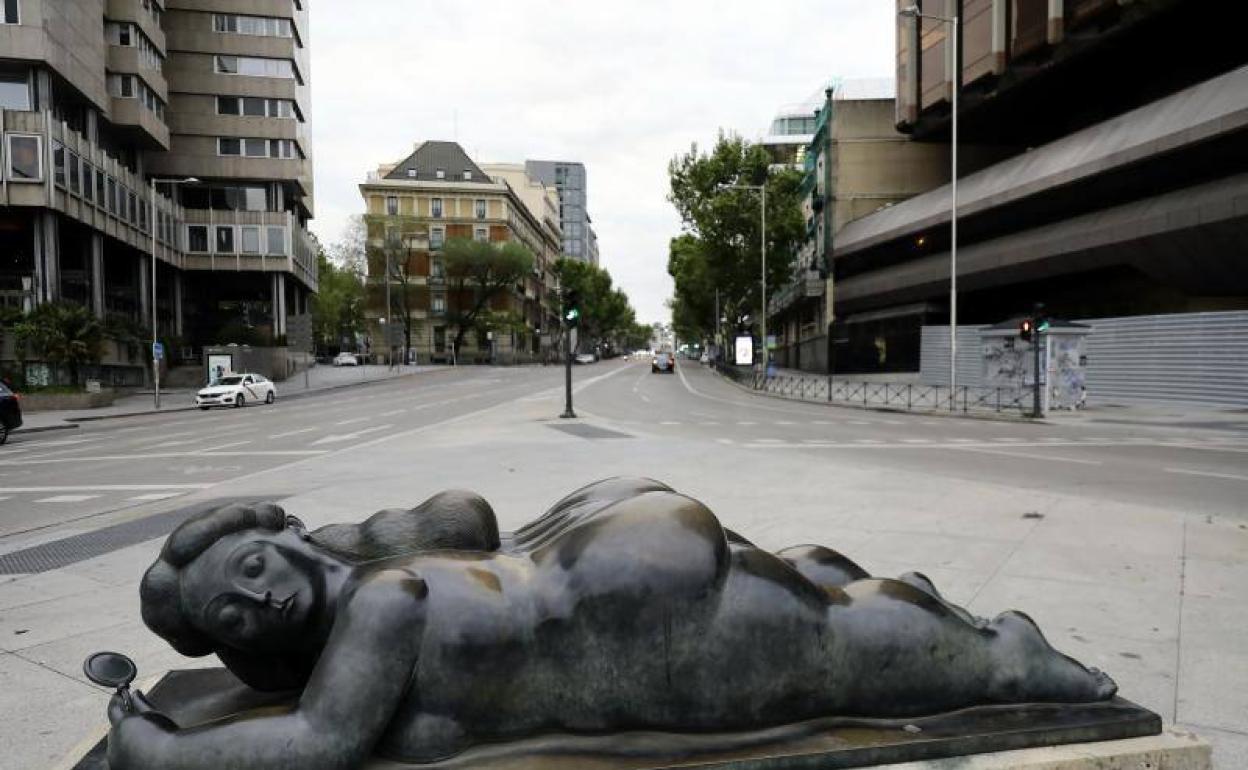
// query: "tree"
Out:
[63,334]
[606,314]
[719,248]
[477,272]
[338,310]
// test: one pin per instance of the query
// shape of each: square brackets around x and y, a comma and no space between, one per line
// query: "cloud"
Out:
[620,86]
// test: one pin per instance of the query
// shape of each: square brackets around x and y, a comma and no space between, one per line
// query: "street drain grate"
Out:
[88,545]
[581,430]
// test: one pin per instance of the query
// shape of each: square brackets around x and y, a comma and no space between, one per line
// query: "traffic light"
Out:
[1026,328]
[1042,324]
[572,308]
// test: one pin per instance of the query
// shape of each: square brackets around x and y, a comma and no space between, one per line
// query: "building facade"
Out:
[854,163]
[569,179]
[102,101]
[1113,181]
[412,208]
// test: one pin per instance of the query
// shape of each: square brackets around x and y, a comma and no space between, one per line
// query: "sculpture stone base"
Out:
[195,696]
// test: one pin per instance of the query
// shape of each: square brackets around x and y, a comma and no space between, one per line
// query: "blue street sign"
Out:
[158,351]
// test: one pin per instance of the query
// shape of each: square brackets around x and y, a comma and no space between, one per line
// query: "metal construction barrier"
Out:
[822,388]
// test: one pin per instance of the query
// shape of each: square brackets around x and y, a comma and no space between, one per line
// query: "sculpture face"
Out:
[254,591]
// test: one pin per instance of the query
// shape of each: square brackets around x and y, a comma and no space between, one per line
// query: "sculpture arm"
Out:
[355,688]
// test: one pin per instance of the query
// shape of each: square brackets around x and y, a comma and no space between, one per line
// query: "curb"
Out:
[994,417]
[43,429]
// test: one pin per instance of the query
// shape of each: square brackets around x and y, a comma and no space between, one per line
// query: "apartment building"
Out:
[438,193]
[204,103]
[569,180]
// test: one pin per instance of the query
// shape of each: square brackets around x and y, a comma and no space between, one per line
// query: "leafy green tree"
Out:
[720,244]
[63,334]
[477,272]
[606,314]
[338,309]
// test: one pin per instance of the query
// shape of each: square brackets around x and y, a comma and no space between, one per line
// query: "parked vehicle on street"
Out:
[705,359]
[10,412]
[663,362]
[346,359]
[585,358]
[237,390]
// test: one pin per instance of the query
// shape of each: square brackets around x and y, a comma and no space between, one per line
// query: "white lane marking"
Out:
[868,441]
[859,422]
[785,422]
[257,453]
[164,444]
[746,422]
[824,422]
[931,422]
[1029,456]
[645,398]
[292,433]
[155,496]
[392,413]
[67,499]
[669,422]
[815,441]
[893,422]
[720,440]
[770,440]
[219,447]
[1008,439]
[61,442]
[353,421]
[107,488]
[964,440]
[1210,474]
[337,439]
[916,441]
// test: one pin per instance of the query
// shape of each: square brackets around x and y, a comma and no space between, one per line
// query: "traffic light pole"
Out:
[568,331]
[1035,347]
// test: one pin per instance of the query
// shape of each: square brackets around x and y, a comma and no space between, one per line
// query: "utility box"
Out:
[1009,362]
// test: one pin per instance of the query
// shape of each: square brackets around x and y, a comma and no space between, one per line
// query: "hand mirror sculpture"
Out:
[420,634]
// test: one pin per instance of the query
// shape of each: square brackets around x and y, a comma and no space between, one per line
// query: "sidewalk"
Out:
[181,399]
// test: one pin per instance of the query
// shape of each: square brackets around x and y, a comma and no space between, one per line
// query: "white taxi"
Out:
[237,390]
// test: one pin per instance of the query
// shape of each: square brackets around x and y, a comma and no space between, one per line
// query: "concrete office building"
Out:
[412,208]
[98,99]
[1116,183]
[568,177]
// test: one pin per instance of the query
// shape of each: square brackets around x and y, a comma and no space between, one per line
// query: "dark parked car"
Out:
[10,413]
[663,362]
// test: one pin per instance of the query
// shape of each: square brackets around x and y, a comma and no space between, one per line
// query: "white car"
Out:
[346,359]
[237,390]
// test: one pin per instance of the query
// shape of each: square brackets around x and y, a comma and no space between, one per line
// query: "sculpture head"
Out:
[242,578]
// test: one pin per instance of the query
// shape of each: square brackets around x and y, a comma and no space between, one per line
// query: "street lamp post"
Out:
[762,243]
[152,224]
[912,11]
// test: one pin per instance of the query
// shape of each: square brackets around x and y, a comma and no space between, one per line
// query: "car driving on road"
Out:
[237,390]
[663,362]
[10,413]
[346,359]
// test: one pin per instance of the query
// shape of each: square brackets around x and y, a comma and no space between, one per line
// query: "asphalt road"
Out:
[128,465]
[1197,469]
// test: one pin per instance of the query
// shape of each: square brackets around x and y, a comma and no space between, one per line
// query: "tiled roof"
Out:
[430,157]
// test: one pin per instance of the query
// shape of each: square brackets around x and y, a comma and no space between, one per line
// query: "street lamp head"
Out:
[190,180]
[910,11]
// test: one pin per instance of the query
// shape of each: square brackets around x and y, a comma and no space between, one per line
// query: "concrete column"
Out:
[47,258]
[145,289]
[279,303]
[97,274]
[177,303]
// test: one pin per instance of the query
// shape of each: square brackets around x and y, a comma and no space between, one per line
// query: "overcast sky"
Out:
[620,85]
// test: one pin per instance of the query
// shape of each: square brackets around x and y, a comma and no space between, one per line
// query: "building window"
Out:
[438,304]
[14,91]
[467,175]
[481,234]
[121,86]
[411,172]
[255,66]
[439,339]
[277,241]
[10,15]
[437,237]
[197,238]
[392,205]
[225,240]
[100,200]
[229,146]
[25,158]
[58,163]
[440,173]
[436,268]
[479,207]
[435,208]
[264,26]
[134,209]
[88,186]
[251,240]
[74,184]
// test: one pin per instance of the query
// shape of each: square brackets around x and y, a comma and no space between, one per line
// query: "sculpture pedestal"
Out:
[195,696]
